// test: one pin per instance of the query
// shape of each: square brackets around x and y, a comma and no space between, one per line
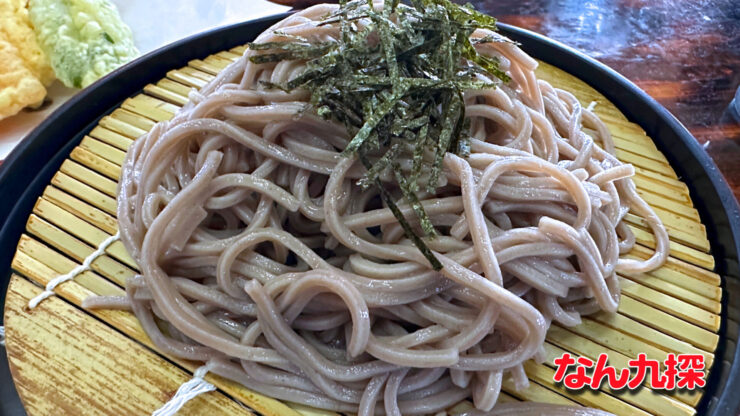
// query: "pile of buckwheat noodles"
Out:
[260,254]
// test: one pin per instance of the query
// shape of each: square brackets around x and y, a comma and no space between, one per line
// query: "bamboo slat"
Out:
[675,309]
[37,271]
[90,355]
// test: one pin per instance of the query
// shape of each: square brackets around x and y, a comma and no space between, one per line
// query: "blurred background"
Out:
[685,54]
[154,23]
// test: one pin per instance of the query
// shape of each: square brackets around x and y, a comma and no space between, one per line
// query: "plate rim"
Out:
[709,190]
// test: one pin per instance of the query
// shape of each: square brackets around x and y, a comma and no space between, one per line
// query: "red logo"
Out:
[682,371]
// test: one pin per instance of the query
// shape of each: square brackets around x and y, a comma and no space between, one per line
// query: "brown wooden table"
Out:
[684,53]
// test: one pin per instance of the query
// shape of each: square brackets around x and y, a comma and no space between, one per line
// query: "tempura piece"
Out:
[16,27]
[19,87]
[24,68]
[85,39]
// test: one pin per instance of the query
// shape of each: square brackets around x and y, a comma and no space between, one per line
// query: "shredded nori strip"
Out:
[388,199]
[397,86]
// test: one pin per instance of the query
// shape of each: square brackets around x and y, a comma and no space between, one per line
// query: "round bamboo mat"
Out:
[66,360]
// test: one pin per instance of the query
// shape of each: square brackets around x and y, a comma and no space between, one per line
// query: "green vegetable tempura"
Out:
[84,39]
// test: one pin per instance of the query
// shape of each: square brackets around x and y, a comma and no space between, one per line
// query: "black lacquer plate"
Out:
[32,164]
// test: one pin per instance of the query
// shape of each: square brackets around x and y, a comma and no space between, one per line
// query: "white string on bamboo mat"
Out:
[85,266]
[591,106]
[2,335]
[193,387]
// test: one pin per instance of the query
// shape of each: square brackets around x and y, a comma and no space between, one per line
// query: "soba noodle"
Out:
[259,253]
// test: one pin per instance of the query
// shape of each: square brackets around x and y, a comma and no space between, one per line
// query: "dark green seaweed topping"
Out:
[395,78]
[290,50]
[388,199]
